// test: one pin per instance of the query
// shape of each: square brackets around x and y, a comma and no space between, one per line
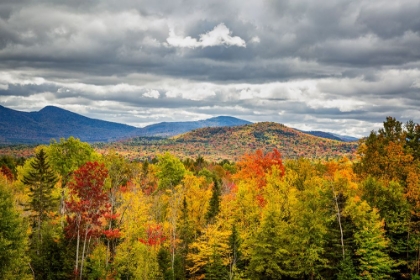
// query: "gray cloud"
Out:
[340,66]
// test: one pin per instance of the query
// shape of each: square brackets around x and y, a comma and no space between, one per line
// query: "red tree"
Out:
[7,172]
[86,207]
[154,235]
[256,166]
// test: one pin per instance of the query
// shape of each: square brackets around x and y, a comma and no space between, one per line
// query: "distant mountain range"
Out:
[168,129]
[53,122]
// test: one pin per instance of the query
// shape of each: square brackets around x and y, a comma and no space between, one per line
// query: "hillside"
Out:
[52,122]
[232,142]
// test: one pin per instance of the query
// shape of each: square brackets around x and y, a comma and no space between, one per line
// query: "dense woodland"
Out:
[70,212]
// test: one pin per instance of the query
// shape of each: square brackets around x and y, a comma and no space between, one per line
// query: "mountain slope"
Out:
[168,129]
[231,143]
[53,122]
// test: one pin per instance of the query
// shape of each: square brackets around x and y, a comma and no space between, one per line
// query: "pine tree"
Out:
[41,181]
[186,234]
[235,253]
[215,270]
[214,205]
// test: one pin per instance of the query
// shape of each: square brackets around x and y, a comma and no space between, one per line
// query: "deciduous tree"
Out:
[86,206]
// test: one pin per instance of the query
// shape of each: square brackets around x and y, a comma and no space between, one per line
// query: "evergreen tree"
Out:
[215,270]
[346,269]
[186,234]
[235,253]
[270,257]
[214,205]
[41,181]
[370,257]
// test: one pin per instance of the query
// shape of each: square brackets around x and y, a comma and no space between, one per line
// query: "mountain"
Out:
[346,138]
[217,143]
[168,129]
[53,122]
[323,134]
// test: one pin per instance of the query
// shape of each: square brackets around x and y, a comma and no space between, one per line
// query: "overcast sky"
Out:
[331,65]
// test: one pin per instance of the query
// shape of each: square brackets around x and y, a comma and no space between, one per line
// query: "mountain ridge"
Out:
[51,122]
[168,129]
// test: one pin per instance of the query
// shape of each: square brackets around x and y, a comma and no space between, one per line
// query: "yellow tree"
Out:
[134,258]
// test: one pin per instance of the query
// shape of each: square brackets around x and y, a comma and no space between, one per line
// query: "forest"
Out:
[70,212]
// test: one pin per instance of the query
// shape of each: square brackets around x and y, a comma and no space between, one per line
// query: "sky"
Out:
[331,65]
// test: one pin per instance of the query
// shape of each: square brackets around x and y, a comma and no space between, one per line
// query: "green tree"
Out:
[371,258]
[235,254]
[214,205]
[270,257]
[215,270]
[170,172]
[14,263]
[186,235]
[41,181]
[346,269]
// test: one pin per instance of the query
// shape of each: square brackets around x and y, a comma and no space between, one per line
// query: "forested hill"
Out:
[53,122]
[231,143]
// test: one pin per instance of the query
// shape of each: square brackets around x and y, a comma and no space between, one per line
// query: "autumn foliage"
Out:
[88,201]
[257,165]
[261,217]
[154,235]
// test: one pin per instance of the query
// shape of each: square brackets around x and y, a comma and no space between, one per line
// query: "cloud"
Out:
[334,65]
[152,94]
[219,36]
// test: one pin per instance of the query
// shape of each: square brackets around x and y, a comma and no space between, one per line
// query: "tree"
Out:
[214,205]
[371,258]
[209,253]
[389,167]
[119,173]
[234,253]
[65,157]
[272,249]
[171,171]
[5,170]
[255,166]
[270,255]
[41,181]
[86,206]
[134,259]
[186,235]
[14,264]
[413,139]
